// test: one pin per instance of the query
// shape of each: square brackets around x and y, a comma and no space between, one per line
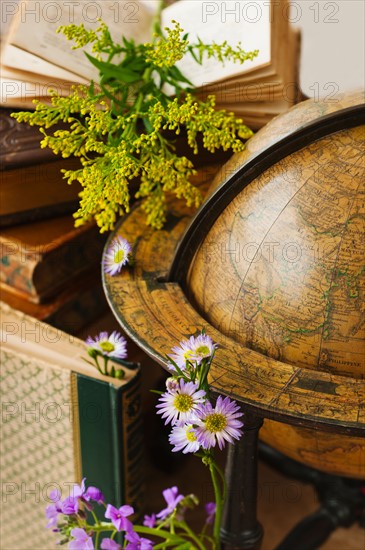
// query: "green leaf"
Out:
[147,125]
[193,55]
[136,63]
[114,72]
[177,75]
[129,44]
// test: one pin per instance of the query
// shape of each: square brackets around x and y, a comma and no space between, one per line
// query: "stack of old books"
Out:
[48,268]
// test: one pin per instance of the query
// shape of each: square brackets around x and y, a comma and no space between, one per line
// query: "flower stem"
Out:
[224,483]
[105,365]
[170,537]
[156,23]
[218,503]
[192,535]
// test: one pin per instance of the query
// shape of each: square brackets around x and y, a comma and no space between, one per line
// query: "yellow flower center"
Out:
[202,351]
[215,422]
[188,354]
[183,402]
[107,346]
[190,436]
[119,256]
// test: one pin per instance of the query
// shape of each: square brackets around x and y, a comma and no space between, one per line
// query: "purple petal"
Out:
[110,544]
[93,493]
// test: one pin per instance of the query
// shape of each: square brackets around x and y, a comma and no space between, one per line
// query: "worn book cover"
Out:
[20,143]
[76,306]
[61,421]
[32,186]
[40,258]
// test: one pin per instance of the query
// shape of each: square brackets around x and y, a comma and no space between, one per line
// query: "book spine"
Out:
[41,271]
[20,143]
[111,439]
[16,270]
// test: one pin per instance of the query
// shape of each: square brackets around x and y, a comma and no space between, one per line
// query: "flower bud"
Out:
[94,353]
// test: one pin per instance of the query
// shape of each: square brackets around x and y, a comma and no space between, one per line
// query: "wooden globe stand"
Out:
[342,502]
[150,301]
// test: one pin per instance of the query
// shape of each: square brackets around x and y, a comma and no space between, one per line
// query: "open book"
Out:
[36,58]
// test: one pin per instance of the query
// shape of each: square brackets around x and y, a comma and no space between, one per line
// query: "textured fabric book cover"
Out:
[61,421]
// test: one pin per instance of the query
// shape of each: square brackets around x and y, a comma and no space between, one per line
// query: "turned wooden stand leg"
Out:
[240,528]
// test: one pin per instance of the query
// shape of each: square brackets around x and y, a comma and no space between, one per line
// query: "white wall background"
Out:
[333,45]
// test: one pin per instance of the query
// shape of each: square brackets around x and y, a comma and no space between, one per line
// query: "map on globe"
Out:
[282,268]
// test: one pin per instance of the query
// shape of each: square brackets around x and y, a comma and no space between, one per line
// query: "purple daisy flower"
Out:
[180,403]
[184,439]
[172,498]
[135,542]
[114,345]
[193,350]
[203,347]
[117,255]
[183,353]
[81,541]
[119,516]
[218,424]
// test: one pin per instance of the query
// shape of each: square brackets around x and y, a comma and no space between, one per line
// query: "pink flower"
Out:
[81,541]
[172,498]
[135,542]
[150,521]
[119,516]
[110,544]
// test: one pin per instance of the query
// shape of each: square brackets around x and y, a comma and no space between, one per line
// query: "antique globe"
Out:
[272,266]
[281,271]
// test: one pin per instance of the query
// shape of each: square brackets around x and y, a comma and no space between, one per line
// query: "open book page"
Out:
[247,23]
[34,30]
[25,62]
[33,43]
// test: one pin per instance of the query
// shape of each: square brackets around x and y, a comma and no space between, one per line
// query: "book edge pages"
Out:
[49,345]
[75,419]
